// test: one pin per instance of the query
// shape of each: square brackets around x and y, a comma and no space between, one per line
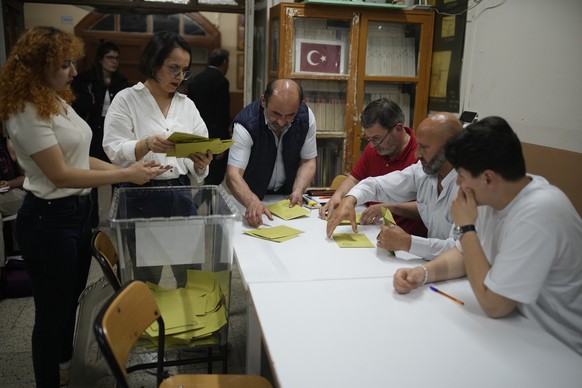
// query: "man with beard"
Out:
[391,147]
[431,182]
[274,149]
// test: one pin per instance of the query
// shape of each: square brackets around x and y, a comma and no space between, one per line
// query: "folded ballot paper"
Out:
[282,210]
[187,144]
[352,240]
[194,313]
[388,220]
[276,233]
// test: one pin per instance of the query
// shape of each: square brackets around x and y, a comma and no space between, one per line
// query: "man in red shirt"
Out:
[390,147]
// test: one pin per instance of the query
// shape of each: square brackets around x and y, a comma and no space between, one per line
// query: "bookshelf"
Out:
[346,56]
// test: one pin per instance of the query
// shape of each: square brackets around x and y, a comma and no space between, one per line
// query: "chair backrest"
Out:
[106,255]
[337,181]
[121,321]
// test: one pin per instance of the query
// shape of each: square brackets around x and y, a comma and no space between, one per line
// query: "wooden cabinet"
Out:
[346,56]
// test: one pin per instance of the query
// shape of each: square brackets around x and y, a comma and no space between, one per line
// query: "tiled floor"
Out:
[17,318]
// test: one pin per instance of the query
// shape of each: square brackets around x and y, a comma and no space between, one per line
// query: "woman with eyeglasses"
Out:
[138,123]
[94,89]
[53,228]
[141,118]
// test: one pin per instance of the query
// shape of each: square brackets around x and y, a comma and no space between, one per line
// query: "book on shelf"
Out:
[329,158]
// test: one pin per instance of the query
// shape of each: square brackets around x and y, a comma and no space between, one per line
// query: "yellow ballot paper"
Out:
[187,144]
[347,222]
[388,219]
[352,240]
[276,233]
[281,209]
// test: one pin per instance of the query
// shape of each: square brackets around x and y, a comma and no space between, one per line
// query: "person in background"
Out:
[430,181]
[274,149]
[137,125]
[518,237]
[210,91]
[53,225]
[94,90]
[11,193]
[391,147]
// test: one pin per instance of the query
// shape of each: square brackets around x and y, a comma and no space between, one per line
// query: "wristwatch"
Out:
[459,230]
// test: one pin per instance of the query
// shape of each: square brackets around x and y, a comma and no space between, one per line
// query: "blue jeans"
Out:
[55,241]
[158,203]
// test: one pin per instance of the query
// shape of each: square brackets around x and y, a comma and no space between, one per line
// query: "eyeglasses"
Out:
[376,142]
[176,70]
[112,58]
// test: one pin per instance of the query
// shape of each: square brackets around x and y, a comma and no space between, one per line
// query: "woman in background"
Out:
[94,90]
[52,146]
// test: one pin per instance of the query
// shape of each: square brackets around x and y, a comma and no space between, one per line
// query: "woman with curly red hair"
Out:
[53,225]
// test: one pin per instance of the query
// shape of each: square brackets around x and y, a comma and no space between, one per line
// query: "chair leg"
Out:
[209,353]
[224,350]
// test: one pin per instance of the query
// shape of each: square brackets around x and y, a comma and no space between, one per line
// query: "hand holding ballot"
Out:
[345,211]
[186,144]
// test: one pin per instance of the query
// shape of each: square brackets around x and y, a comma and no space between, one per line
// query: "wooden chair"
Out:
[337,181]
[106,255]
[121,321]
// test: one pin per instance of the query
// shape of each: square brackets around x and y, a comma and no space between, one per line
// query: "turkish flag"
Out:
[320,57]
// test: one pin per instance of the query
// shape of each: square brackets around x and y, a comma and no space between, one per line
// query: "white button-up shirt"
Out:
[413,184]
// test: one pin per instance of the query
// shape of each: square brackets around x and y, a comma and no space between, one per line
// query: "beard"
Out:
[433,166]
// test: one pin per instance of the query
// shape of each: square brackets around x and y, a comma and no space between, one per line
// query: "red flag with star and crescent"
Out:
[320,58]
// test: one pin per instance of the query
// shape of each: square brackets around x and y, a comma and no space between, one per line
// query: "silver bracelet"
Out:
[425,276]
[147,145]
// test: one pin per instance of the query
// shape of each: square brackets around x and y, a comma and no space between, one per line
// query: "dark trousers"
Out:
[54,238]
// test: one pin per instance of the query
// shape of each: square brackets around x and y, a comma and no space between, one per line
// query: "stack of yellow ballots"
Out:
[194,313]
[187,144]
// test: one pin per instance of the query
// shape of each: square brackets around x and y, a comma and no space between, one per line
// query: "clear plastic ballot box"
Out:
[179,240]
[179,227]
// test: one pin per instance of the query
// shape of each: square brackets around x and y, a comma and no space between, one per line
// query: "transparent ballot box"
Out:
[179,240]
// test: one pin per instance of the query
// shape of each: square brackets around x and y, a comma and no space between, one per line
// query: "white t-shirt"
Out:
[534,246]
[30,134]
[240,152]
[410,184]
[134,114]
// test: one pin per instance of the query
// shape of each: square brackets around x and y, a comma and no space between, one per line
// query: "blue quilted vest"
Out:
[264,150]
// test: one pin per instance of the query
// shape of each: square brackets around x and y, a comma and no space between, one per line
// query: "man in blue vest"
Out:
[274,149]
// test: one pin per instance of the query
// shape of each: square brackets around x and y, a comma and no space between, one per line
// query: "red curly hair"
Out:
[22,77]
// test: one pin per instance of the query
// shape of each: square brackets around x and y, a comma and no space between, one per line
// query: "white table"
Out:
[360,333]
[311,255]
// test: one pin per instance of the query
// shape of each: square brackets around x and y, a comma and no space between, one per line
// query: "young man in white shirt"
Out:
[518,237]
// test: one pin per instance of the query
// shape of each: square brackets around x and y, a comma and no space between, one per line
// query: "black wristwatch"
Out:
[459,230]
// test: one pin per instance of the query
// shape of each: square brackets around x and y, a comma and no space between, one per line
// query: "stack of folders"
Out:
[187,144]
[193,314]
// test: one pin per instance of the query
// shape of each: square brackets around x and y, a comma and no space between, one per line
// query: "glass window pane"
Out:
[192,28]
[392,49]
[166,23]
[106,23]
[132,23]
[322,46]
[327,100]
[402,94]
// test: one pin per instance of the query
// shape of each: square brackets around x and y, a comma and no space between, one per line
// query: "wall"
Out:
[522,62]
[65,17]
